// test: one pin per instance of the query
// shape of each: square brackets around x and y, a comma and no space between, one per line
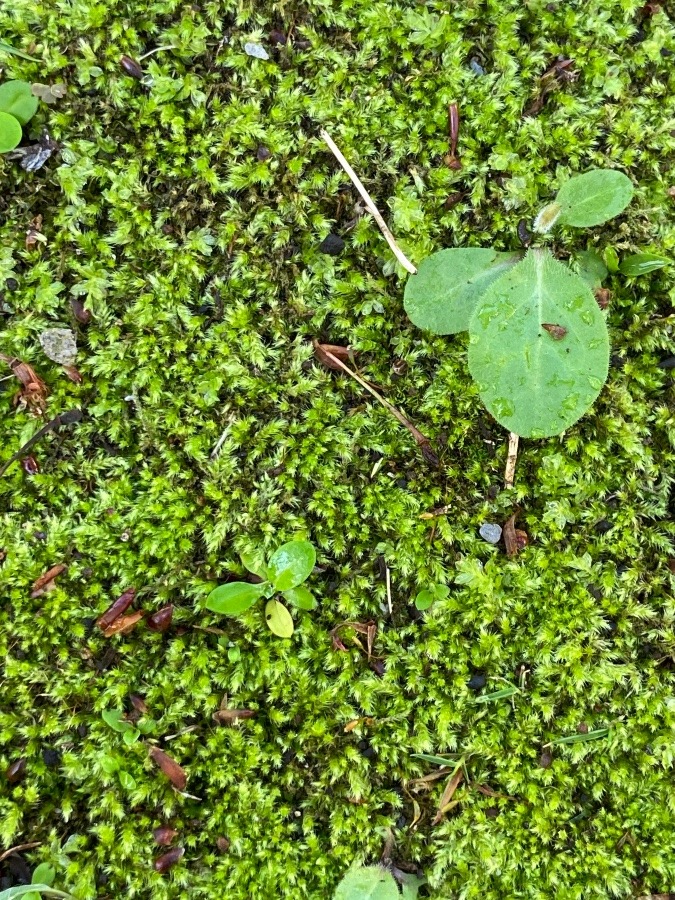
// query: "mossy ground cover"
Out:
[188,218]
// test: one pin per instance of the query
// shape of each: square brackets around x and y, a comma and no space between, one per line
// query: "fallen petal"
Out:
[175,773]
[163,863]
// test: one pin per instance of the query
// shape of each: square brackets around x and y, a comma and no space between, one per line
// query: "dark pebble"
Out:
[618,362]
[401,822]
[11,284]
[51,757]
[603,526]
[277,38]
[263,154]
[492,812]
[369,752]
[477,682]
[668,363]
[332,244]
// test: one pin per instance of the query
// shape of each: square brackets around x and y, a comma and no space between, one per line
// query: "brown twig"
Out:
[511,459]
[423,442]
[18,849]
[372,209]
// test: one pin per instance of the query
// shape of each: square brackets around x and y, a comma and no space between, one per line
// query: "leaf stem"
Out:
[511,459]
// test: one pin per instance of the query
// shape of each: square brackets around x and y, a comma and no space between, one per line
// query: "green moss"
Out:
[200,264]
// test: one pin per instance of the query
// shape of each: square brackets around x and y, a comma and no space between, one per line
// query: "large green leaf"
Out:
[234,598]
[24,890]
[278,619]
[594,197]
[443,294]
[17,99]
[43,874]
[291,564]
[536,380]
[10,132]
[367,883]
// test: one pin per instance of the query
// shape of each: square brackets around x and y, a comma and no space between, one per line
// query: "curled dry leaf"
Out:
[164,835]
[223,844]
[34,156]
[16,771]
[115,610]
[34,234]
[603,296]
[163,863]
[45,582]
[557,332]
[228,716]
[123,625]
[344,354]
[161,620]
[175,773]
[514,539]
[34,391]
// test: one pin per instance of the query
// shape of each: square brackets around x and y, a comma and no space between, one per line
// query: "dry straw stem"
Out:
[372,209]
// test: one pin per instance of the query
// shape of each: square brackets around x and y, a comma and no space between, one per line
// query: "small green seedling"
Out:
[538,341]
[376,883]
[284,573]
[434,592]
[41,885]
[18,105]
[130,733]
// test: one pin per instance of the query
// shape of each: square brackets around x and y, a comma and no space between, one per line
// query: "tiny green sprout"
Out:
[285,571]
[427,596]
[130,733]
[538,341]
[18,105]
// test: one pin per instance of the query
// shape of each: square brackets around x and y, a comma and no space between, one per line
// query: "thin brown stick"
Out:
[18,849]
[511,459]
[372,209]
[423,442]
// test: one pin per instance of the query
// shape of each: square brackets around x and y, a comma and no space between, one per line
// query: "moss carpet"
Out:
[188,217]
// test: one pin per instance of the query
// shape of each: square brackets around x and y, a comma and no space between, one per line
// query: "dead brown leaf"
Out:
[557,332]
[344,354]
[115,610]
[447,803]
[228,716]
[45,583]
[603,296]
[73,374]
[175,773]
[509,535]
[123,625]
[139,704]
[34,234]
[34,392]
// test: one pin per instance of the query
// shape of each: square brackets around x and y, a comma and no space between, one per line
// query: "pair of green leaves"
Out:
[285,571]
[427,596]
[376,883]
[18,105]
[538,342]
[130,733]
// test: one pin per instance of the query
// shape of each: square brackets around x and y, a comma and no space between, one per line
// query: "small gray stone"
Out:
[490,532]
[256,50]
[59,345]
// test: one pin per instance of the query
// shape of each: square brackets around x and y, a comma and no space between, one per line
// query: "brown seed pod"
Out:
[115,610]
[161,620]
[16,771]
[167,860]
[131,67]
